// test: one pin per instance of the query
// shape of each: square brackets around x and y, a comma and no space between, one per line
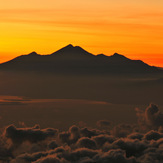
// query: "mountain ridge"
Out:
[75,59]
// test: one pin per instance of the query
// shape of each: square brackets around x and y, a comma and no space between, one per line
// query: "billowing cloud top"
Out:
[121,144]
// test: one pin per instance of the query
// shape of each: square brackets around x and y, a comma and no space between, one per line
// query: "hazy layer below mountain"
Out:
[118,90]
[82,98]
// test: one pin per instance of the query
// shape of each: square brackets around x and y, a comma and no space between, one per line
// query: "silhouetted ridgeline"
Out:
[124,143]
[76,60]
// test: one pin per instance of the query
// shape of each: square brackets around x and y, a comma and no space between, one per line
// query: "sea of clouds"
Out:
[123,143]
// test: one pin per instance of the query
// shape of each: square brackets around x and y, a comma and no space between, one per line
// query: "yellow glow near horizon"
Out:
[134,29]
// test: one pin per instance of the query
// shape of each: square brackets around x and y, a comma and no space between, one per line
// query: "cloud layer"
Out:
[139,143]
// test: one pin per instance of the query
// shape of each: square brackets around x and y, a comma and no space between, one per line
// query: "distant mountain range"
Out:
[76,60]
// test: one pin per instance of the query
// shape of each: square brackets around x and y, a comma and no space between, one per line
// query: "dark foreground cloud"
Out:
[33,135]
[102,148]
[121,144]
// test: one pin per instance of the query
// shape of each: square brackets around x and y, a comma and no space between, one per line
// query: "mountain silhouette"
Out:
[76,60]
[72,52]
[33,54]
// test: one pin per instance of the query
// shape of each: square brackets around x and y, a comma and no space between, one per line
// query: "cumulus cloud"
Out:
[81,154]
[74,133]
[124,143]
[153,135]
[33,135]
[122,130]
[151,118]
[99,148]
[64,137]
[113,156]
[102,139]
[52,145]
[135,135]
[85,132]
[132,147]
[85,142]
[50,159]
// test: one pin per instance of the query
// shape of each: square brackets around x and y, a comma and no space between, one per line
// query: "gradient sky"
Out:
[132,28]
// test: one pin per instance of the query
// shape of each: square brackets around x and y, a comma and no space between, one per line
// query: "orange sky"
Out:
[134,29]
